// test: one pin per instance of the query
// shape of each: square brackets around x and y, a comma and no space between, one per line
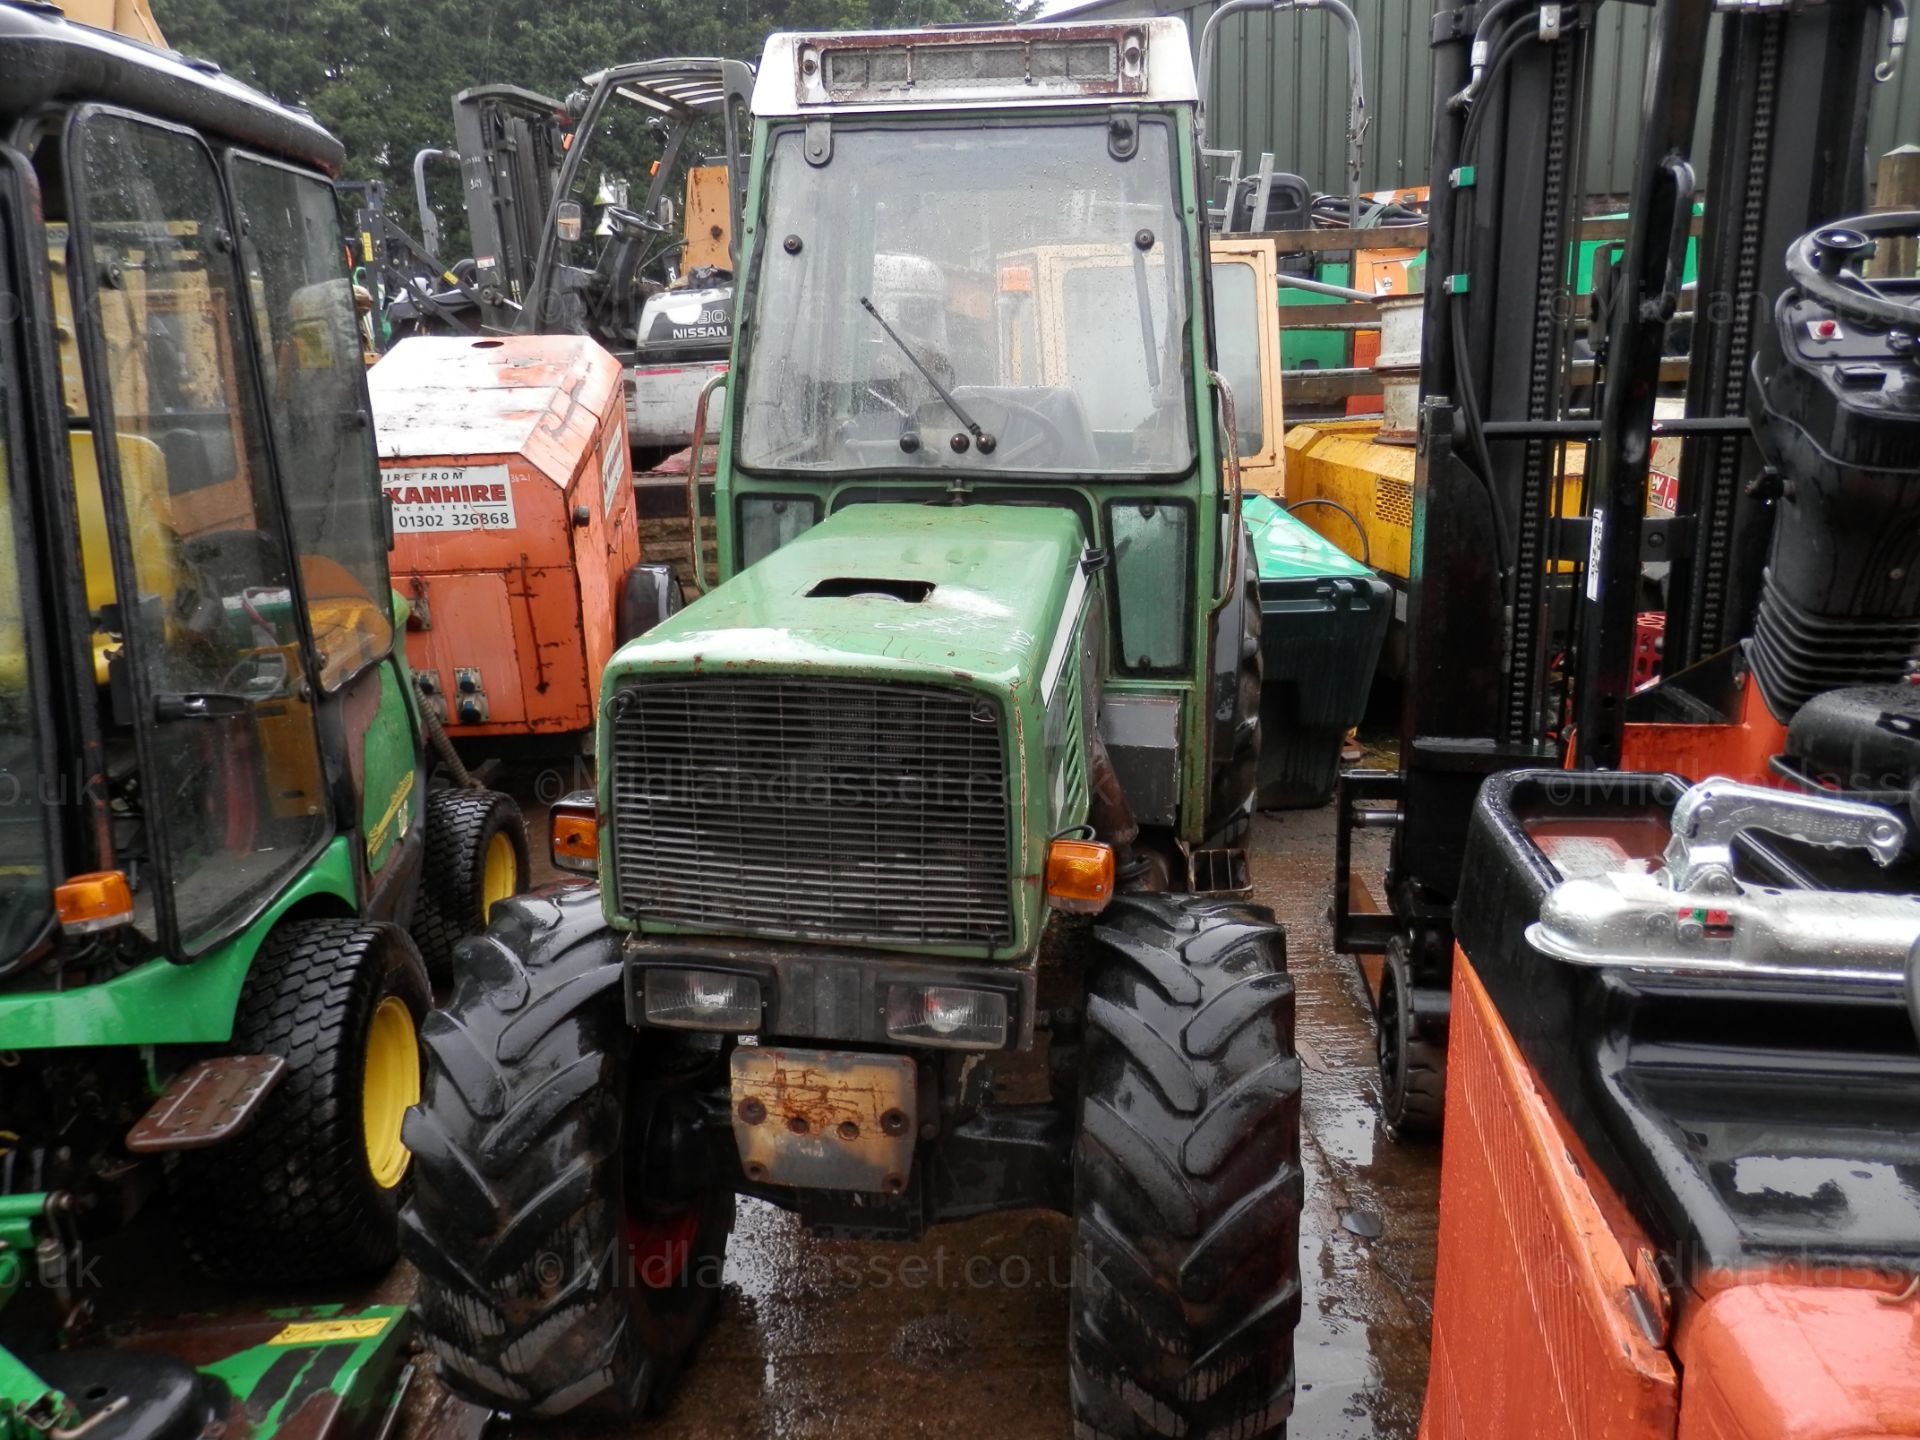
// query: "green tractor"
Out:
[951,773]
[216,813]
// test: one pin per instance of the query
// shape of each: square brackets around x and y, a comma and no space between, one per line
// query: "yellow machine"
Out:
[132,18]
[1246,324]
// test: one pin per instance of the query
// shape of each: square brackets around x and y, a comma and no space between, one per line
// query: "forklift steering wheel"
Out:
[1825,265]
[632,220]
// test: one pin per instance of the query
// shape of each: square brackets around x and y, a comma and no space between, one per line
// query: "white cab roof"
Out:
[1143,61]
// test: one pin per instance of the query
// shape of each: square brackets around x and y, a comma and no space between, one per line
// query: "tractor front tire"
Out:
[476,857]
[1187,1181]
[546,1287]
[312,1188]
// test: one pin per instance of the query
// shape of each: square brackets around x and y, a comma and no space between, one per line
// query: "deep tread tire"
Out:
[1233,791]
[1413,1070]
[292,1197]
[518,1224]
[460,825]
[1187,1181]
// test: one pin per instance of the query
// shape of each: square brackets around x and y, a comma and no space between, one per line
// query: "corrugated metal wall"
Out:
[1281,85]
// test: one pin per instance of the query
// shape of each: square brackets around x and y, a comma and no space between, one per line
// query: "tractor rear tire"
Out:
[473,837]
[312,1188]
[1187,1181]
[1413,1070]
[1237,681]
[543,1291]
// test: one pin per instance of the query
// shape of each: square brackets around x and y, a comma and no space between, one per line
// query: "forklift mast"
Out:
[511,142]
[1528,567]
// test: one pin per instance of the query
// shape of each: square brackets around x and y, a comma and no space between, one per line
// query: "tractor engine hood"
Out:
[985,594]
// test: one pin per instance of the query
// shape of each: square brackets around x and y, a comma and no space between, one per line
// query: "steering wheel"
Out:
[632,221]
[1825,266]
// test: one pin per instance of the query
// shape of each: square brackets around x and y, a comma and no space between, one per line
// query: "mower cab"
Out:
[218,800]
[949,773]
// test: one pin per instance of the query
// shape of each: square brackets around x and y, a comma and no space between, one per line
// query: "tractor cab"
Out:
[979,681]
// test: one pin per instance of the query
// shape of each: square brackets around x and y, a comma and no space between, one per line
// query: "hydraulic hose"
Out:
[1366,547]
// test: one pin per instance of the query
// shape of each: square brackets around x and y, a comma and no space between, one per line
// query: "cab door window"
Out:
[292,248]
[26,872]
[213,736]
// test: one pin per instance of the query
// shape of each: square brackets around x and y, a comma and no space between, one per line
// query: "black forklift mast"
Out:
[1511,634]
[1788,151]
[510,143]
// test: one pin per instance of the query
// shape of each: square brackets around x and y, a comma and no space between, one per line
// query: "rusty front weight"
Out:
[694,549]
[1231,560]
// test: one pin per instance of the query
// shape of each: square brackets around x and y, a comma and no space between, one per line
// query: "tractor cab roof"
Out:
[48,59]
[998,67]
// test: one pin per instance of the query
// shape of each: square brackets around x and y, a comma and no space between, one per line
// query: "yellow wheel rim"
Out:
[392,1088]
[500,877]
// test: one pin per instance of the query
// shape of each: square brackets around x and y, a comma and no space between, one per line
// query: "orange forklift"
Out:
[1651,953]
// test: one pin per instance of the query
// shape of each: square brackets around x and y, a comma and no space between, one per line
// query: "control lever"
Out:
[1700,855]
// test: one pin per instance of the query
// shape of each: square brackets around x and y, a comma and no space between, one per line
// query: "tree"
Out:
[381,74]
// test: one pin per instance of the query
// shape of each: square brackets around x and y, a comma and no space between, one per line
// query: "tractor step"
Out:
[206,1103]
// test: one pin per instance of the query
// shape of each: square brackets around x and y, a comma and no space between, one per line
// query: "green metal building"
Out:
[1281,86]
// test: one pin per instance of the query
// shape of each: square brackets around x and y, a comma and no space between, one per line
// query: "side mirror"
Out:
[568,220]
[663,212]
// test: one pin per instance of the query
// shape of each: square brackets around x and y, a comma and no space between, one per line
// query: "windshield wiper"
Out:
[981,438]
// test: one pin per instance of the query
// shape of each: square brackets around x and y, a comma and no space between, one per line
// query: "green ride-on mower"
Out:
[216,813]
[951,771]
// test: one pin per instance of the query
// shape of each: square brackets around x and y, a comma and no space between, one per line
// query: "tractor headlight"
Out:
[948,1016]
[702,1000]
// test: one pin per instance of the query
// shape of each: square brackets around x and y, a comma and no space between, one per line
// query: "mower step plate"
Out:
[206,1102]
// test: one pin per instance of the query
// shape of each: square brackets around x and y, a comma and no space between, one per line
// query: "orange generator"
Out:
[515,541]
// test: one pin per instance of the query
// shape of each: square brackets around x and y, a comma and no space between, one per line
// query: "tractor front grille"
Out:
[816,809]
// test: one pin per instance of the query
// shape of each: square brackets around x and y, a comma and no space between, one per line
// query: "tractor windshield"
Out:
[1006,299]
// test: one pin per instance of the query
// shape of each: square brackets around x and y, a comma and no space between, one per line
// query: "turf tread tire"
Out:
[292,1197]
[1187,1182]
[460,825]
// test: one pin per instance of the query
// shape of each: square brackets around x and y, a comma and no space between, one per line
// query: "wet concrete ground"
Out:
[964,1334]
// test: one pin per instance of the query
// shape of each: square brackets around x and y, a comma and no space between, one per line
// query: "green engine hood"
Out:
[987,585]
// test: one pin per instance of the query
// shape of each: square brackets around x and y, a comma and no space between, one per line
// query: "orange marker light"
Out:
[1016,279]
[576,841]
[90,903]
[1079,876]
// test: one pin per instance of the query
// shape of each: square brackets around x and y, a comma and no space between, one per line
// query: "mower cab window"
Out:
[212,754]
[26,894]
[1004,298]
[310,343]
